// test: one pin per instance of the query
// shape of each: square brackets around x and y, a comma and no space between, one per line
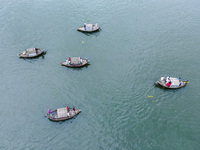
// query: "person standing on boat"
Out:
[96,26]
[49,111]
[85,26]
[66,61]
[67,109]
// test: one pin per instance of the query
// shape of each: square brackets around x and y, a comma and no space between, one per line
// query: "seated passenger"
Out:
[67,109]
[169,83]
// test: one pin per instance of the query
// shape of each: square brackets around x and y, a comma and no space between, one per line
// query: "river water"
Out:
[139,42]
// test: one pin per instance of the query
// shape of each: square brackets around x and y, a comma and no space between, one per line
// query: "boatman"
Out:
[85,26]
[49,111]
[96,25]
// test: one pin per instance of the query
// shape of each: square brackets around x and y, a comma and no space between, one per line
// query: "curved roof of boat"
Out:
[75,60]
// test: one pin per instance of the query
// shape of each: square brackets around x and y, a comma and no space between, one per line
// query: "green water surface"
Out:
[139,42]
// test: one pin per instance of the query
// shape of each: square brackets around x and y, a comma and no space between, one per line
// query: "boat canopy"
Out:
[75,60]
[31,50]
[62,112]
[175,82]
[89,27]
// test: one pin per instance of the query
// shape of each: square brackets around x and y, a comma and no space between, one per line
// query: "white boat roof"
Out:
[174,81]
[89,25]
[62,112]
[31,50]
[75,60]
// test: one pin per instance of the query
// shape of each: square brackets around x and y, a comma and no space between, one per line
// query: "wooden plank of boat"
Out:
[176,83]
[75,63]
[31,53]
[89,28]
[62,114]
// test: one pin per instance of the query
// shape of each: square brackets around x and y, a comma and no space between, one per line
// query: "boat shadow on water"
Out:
[96,33]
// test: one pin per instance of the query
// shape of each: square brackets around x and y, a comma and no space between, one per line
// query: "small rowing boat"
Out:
[75,62]
[171,82]
[31,52]
[61,114]
[89,28]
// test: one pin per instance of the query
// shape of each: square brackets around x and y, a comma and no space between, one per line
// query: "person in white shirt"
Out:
[96,25]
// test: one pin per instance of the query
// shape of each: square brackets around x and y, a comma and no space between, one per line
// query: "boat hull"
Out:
[164,85]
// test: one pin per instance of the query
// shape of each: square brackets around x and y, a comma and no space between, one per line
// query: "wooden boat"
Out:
[31,52]
[176,83]
[75,62]
[61,114]
[89,28]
